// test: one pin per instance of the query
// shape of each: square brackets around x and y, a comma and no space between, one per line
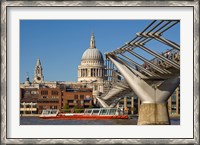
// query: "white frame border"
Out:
[5,4]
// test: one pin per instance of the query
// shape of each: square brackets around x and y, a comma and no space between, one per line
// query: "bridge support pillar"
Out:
[153,114]
[153,93]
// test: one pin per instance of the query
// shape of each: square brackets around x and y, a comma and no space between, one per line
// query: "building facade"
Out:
[77,98]
[34,100]
[28,100]
[49,98]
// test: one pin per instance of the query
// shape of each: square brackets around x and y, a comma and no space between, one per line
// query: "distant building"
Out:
[49,98]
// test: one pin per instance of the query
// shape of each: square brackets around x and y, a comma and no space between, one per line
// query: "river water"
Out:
[38,121]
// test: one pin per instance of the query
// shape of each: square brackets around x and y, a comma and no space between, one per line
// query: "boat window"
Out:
[96,111]
[88,111]
[104,112]
[112,112]
[53,111]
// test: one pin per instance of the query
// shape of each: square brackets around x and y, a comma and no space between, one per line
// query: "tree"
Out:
[91,106]
[66,106]
[78,109]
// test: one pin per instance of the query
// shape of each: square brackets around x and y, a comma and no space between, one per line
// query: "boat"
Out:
[93,113]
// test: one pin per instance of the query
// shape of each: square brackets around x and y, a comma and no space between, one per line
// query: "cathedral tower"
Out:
[38,75]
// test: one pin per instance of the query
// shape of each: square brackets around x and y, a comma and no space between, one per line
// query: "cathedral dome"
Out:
[92,54]
[92,64]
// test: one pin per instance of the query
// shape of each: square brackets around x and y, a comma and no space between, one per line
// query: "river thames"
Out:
[27,120]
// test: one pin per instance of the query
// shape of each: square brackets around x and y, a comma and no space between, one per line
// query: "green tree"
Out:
[78,109]
[91,106]
[66,106]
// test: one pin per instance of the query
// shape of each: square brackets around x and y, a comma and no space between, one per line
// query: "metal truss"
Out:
[163,69]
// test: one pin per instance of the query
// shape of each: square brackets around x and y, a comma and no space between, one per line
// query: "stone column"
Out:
[96,72]
[89,72]
[153,114]
[101,72]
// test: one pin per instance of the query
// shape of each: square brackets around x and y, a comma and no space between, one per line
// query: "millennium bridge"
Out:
[154,80]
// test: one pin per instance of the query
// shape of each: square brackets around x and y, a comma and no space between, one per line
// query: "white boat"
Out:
[94,113]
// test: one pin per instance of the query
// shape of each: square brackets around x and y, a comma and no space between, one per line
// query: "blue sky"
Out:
[60,43]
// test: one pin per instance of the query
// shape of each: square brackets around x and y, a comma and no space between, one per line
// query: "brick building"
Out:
[28,100]
[49,98]
[82,98]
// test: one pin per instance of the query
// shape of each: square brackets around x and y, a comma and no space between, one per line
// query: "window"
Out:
[54,92]
[70,101]
[76,96]
[33,92]
[44,92]
[54,97]
[40,107]
[81,97]
[27,92]
[44,97]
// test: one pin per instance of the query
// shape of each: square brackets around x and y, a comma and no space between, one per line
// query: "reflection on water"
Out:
[39,121]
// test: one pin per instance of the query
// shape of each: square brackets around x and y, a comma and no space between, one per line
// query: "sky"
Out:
[60,43]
